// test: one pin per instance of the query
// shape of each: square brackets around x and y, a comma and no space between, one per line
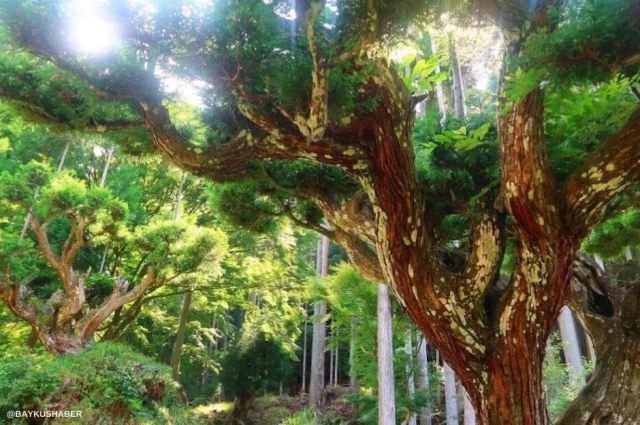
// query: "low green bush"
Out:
[110,383]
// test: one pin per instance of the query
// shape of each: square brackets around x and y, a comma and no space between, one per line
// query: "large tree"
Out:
[312,107]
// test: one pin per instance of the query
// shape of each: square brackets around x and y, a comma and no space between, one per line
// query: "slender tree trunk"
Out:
[331,358]
[337,357]
[570,344]
[103,181]
[182,330]
[210,345]
[439,399]
[105,170]
[304,350]
[411,385]
[353,378]
[186,301]
[469,413]
[442,105]
[386,388]
[316,384]
[451,395]
[176,210]
[423,378]
[458,87]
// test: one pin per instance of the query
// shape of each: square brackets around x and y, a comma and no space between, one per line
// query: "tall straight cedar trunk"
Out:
[450,395]
[180,335]
[570,344]
[386,387]
[353,377]
[458,87]
[186,301]
[303,388]
[423,378]
[469,413]
[318,341]
[411,385]
[331,357]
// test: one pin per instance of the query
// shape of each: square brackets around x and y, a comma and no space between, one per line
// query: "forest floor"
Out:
[276,410]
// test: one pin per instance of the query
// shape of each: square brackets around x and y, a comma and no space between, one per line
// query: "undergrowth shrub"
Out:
[110,383]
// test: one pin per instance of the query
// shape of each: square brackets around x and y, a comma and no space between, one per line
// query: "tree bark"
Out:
[496,354]
[316,384]
[423,378]
[610,314]
[386,386]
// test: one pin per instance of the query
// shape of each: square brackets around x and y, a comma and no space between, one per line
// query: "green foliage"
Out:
[581,117]
[612,237]
[310,417]
[560,387]
[108,382]
[353,302]
[592,42]
[255,363]
[419,75]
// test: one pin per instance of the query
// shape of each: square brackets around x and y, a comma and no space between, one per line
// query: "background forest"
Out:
[141,293]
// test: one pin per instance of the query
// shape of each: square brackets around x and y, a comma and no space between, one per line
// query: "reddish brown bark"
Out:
[68,329]
[497,352]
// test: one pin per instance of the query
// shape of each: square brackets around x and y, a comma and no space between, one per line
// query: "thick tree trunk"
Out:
[612,395]
[411,385]
[515,394]
[570,344]
[386,387]
[451,395]
[316,384]
[423,378]
[180,335]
